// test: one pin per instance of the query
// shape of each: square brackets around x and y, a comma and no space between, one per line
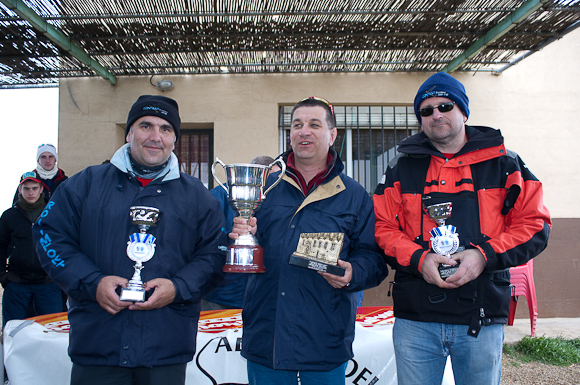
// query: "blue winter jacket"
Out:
[293,319]
[82,236]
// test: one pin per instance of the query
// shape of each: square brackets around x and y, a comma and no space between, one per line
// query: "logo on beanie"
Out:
[432,94]
[156,109]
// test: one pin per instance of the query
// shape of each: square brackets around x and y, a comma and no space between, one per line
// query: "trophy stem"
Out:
[134,291]
[245,259]
[137,275]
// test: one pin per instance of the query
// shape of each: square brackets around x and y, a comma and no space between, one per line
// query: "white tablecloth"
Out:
[35,352]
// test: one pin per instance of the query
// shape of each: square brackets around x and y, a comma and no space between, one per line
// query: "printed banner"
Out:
[35,350]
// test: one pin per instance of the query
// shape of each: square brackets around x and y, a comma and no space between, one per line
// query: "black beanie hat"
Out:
[155,105]
[442,85]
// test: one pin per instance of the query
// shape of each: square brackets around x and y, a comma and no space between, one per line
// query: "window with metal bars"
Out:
[366,140]
[194,151]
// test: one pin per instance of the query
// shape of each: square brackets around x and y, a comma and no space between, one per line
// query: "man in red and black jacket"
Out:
[499,217]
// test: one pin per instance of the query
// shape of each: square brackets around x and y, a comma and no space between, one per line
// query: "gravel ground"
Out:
[535,373]
[517,373]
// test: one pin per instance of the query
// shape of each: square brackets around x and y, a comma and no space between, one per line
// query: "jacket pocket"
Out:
[420,300]
[498,294]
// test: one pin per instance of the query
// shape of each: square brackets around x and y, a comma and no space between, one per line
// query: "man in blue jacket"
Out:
[90,245]
[298,322]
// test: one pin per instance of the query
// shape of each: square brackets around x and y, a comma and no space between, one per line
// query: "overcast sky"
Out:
[30,119]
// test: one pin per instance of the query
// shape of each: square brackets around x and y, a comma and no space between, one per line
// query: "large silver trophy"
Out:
[245,189]
[444,239]
[140,249]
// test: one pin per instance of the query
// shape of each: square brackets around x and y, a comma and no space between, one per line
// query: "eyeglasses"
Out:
[47,144]
[326,102]
[444,107]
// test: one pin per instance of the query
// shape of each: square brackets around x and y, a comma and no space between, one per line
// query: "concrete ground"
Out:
[545,327]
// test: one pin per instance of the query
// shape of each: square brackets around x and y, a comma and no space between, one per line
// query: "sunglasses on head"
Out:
[443,107]
[320,100]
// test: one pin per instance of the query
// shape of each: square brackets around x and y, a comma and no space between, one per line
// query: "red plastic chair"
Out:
[522,280]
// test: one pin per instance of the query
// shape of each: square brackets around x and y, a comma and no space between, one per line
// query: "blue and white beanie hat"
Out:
[445,86]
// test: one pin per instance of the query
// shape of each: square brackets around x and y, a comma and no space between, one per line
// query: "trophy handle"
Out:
[282,172]
[217,160]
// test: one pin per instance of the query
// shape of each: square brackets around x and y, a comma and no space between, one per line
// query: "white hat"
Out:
[46,148]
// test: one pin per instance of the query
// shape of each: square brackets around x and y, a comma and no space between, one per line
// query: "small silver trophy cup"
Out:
[245,189]
[444,239]
[140,249]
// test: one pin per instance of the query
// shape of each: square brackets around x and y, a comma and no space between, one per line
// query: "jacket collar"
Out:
[121,160]
[335,166]
[479,138]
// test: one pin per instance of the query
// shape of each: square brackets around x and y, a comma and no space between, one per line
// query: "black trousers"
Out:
[115,375]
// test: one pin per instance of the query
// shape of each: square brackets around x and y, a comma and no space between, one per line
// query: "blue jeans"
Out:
[46,298]
[421,350]
[262,375]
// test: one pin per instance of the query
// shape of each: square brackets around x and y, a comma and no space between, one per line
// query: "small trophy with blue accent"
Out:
[444,239]
[140,248]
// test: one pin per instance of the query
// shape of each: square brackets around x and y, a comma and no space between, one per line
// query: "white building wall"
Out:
[534,104]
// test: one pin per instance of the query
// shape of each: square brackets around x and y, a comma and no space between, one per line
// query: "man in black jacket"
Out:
[25,282]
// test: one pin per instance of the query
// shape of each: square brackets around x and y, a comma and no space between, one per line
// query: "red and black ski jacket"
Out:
[497,207]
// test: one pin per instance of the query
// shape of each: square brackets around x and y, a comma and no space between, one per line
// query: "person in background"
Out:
[50,175]
[28,290]
[299,323]
[90,242]
[498,215]
[230,294]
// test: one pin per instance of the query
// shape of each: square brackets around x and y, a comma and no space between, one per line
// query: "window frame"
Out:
[358,127]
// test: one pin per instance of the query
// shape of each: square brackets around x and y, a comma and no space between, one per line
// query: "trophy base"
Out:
[244,259]
[132,295]
[316,265]
[446,271]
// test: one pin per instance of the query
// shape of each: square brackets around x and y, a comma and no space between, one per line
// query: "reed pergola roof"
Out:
[45,40]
